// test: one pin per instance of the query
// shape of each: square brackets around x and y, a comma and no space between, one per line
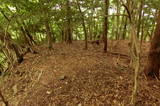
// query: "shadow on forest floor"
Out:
[72,76]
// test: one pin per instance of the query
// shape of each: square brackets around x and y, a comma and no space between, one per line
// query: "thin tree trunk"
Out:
[69,31]
[28,35]
[135,53]
[139,19]
[125,29]
[135,47]
[28,40]
[118,22]
[121,25]
[83,24]
[49,34]
[113,25]
[142,33]
[105,25]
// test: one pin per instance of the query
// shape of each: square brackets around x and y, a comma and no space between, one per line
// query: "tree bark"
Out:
[118,22]
[105,25]
[84,26]
[28,39]
[153,65]
[69,31]
[49,34]
[28,35]
[140,19]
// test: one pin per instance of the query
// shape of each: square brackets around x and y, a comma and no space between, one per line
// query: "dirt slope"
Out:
[72,76]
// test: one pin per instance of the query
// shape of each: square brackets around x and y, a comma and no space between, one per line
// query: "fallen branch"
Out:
[124,55]
[119,54]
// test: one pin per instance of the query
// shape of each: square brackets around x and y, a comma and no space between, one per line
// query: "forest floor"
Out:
[72,76]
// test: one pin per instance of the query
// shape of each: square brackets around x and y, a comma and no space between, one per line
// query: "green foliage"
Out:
[153,4]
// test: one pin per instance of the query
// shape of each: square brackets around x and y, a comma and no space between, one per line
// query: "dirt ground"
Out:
[72,76]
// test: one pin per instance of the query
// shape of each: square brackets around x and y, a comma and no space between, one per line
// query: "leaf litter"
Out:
[72,76]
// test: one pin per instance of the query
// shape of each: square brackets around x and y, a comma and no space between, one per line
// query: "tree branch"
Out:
[4,15]
[127,9]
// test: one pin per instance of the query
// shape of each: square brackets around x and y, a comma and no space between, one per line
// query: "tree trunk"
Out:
[131,7]
[69,31]
[28,39]
[118,22]
[105,31]
[84,26]
[140,19]
[153,65]
[142,33]
[28,35]
[124,29]
[49,34]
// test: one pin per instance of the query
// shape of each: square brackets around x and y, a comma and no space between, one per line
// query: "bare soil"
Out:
[68,75]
